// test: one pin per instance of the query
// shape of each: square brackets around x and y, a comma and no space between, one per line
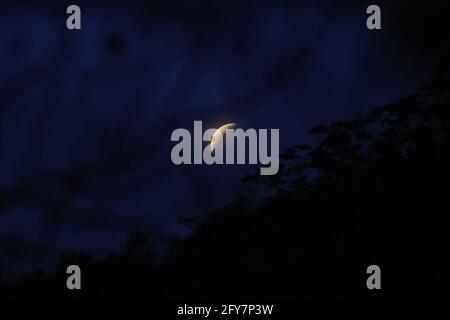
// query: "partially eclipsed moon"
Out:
[219,132]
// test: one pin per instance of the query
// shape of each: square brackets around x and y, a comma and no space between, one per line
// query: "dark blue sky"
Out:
[86,116]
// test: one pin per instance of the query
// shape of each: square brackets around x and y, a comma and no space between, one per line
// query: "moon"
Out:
[219,132]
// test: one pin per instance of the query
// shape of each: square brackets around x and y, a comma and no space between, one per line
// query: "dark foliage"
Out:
[373,191]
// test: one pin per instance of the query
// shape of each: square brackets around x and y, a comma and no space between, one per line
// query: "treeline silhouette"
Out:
[372,191]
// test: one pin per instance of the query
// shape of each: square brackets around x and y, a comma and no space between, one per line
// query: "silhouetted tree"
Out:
[372,191]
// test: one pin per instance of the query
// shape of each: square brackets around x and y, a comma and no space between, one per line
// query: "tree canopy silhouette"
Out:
[372,191]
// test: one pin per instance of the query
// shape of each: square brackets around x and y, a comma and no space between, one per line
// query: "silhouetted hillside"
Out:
[372,191]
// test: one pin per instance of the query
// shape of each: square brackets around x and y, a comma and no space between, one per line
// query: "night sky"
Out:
[86,116]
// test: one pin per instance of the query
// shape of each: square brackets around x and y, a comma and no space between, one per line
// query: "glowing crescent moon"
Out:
[219,132]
